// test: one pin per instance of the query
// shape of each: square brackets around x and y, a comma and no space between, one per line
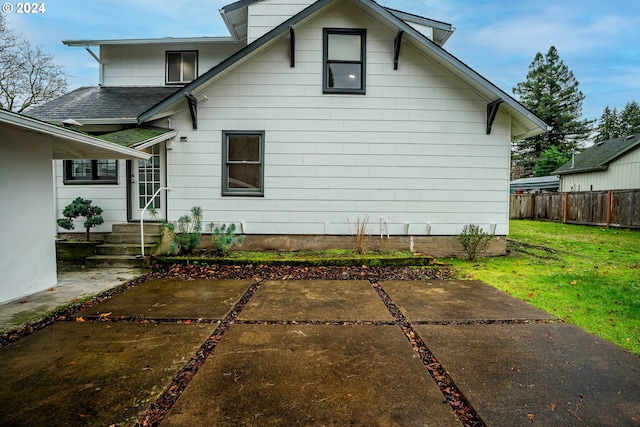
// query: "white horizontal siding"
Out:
[266,15]
[112,198]
[412,150]
[144,65]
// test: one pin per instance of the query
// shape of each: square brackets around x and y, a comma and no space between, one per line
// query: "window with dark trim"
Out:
[344,60]
[90,171]
[182,67]
[242,163]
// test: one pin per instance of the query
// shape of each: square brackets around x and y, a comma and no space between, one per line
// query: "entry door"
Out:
[147,176]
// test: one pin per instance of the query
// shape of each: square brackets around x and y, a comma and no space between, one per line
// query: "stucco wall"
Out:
[27,253]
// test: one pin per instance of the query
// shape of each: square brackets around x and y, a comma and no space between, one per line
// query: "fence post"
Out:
[533,206]
[609,201]
[565,214]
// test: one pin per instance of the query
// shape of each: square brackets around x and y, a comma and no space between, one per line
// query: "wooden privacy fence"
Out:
[604,208]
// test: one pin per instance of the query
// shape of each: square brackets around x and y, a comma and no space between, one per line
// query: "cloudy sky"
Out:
[598,40]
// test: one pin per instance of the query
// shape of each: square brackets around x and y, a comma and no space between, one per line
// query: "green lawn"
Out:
[588,276]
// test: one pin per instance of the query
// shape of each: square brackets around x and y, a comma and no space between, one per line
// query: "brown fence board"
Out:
[594,208]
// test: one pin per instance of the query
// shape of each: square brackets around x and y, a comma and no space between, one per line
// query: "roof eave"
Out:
[166,40]
[77,145]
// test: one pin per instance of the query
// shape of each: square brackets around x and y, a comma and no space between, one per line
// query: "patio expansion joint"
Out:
[154,415]
[451,393]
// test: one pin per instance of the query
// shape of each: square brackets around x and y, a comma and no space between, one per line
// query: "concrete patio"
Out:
[284,353]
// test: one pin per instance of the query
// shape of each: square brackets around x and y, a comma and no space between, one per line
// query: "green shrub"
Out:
[81,207]
[224,237]
[474,240]
[185,234]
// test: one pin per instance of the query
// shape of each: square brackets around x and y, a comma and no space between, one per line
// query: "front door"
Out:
[147,176]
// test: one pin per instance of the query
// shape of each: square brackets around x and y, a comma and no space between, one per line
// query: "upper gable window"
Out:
[182,67]
[344,61]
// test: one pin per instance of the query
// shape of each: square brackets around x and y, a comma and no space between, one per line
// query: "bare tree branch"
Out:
[28,76]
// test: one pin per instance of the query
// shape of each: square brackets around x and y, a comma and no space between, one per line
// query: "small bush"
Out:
[360,234]
[81,207]
[474,240]
[224,237]
[185,235]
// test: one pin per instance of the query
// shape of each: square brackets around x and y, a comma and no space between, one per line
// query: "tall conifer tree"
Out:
[551,92]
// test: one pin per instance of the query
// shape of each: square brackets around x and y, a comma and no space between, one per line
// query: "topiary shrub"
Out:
[81,207]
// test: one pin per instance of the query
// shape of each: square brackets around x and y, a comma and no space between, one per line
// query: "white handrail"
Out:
[142,217]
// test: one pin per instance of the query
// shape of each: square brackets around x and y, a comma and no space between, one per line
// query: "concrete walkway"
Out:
[72,287]
[286,353]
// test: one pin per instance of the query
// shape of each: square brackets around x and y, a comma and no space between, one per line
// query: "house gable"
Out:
[407,154]
[524,122]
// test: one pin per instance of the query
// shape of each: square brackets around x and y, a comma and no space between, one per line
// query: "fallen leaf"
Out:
[51,289]
[105,314]
[574,282]
[79,319]
[553,406]
[531,417]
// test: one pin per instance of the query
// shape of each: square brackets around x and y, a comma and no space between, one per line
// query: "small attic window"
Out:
[182,67]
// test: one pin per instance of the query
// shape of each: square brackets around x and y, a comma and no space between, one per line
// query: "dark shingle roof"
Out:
[95,102]
[598,156]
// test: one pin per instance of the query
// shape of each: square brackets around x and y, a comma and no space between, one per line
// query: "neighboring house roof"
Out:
[526,124]
[93,104]
[537,183]
[67,144]
[598,156]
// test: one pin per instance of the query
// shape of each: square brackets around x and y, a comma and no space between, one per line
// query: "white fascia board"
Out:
[77,143]
[166,40]
[158,139]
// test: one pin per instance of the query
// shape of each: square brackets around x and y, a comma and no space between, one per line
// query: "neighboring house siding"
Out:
[622,174]
[112,198]
[144,65]
[412,150]
[268,14]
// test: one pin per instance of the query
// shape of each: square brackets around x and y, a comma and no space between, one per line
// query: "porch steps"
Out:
[121,247]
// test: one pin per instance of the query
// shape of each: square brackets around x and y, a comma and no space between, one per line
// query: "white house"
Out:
[28,254]
[607,165]
[309,116]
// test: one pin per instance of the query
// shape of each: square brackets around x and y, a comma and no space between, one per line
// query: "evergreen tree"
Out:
[550,160]
[609,125]
[630,119]
[614,125]
[551,92]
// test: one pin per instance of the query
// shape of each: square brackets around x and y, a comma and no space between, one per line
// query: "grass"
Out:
[587,276]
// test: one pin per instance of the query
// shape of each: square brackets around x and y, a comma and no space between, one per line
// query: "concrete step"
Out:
[122,249]
[134,227]
[105,261]
[132,238]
